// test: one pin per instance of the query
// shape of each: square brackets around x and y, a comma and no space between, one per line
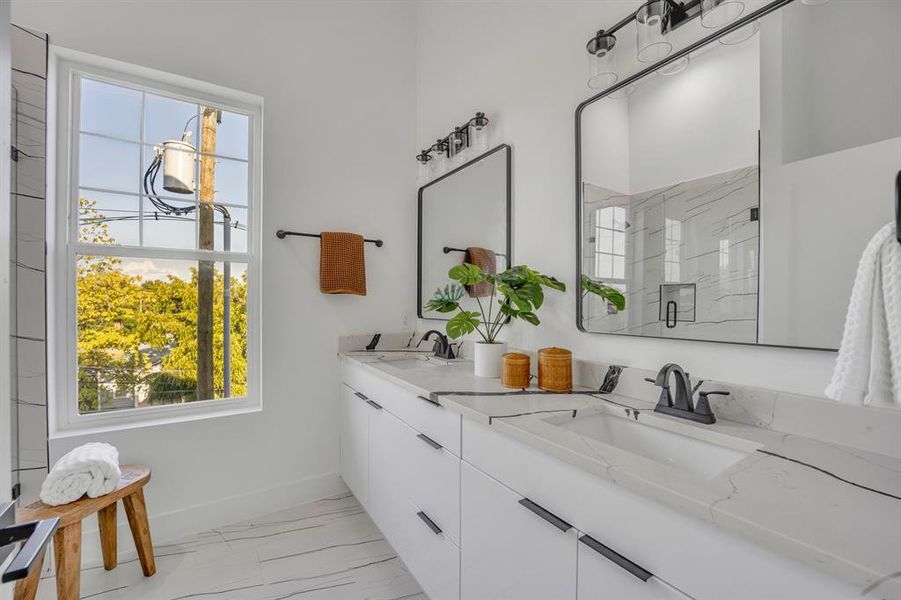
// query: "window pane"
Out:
[605,240]
[108,218]
[138,332]
[167,119]
[619,243]
[231,181]
[605,217]
[162,230]
[604,266]
[237,232]
[108,164]
[619,267]
[110,110]
[232,135]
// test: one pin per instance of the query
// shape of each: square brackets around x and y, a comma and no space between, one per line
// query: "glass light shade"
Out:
[674,67]
[601,73]
[719,13]
[456,144]
[426,167]
[651,23]
[478,138]
[741,35]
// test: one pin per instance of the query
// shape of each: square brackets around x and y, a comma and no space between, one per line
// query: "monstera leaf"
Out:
[608,293]
[446,299]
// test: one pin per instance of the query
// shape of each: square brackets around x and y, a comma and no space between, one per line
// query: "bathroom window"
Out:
[610,244]
[159,230]
[672,251]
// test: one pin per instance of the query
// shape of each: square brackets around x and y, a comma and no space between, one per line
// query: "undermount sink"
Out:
[700,457]
[420,362]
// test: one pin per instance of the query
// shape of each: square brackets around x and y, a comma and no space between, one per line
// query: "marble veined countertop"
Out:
[835,508]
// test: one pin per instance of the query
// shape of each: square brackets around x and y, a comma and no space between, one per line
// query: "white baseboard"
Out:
[178,524]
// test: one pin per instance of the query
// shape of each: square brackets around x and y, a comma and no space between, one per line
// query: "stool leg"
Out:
[136,511]
[106,517]
[67,552]
[27,588]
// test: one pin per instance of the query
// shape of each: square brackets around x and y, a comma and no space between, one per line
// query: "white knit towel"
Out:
[868,368]
[91,469]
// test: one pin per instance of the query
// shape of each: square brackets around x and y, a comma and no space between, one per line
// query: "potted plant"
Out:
[521,295]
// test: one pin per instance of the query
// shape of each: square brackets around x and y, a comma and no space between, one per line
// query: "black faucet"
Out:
[683,404]
[442,347]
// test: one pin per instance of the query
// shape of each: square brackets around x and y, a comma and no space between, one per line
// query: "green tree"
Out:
[140,335]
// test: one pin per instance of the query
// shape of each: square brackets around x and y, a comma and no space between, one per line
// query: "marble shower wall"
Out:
[28,346]
[696,244]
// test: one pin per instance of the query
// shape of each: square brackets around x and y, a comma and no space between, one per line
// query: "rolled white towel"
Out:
[91,469]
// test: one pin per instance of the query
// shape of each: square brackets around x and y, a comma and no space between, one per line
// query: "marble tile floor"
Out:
[325,550]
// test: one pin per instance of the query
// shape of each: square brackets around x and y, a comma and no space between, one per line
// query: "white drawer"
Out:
[418,411]
[408,464]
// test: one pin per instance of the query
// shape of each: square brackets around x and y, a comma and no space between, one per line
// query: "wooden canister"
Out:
[555,370]
[515,373]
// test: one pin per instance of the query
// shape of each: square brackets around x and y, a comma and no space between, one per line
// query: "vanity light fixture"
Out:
[473,133]
[654,20]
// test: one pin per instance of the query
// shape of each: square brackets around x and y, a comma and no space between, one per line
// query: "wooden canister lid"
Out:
[554,352]
[516,358]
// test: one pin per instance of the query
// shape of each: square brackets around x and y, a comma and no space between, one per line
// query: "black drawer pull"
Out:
[361,396]
[546,515]
[429,441]
[616,558]
[429,400]
[431,524]
[374,404]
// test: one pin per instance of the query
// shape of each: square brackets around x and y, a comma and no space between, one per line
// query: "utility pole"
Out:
[206,268]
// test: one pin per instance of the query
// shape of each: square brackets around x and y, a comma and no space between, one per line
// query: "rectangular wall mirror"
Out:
[467,208]
[729,193]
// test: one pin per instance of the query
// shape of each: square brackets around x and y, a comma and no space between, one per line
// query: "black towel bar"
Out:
[448,250]
[282,234]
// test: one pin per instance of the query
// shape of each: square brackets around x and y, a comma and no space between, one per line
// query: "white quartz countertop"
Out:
[835,508]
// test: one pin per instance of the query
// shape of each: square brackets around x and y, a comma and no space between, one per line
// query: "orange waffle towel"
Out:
[342,268]
[485,260]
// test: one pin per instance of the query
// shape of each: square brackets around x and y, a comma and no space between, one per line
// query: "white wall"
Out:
[337,81]
[524,65]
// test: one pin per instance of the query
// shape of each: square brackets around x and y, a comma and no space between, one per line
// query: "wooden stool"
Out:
[67,541]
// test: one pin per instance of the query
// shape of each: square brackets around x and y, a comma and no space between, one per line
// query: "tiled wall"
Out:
[28,323]
[700,233]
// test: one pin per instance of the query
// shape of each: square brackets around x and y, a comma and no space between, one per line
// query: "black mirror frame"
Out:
[509,226]
[759,13]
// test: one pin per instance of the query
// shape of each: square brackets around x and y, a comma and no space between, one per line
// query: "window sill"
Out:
[153,417]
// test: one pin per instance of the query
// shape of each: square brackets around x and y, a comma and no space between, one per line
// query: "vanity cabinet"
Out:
[354,440]
[477,514]
[512,549]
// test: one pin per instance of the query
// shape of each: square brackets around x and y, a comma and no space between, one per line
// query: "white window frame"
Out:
[63,245]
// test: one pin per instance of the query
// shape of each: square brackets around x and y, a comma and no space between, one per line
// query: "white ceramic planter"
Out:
[488,358]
